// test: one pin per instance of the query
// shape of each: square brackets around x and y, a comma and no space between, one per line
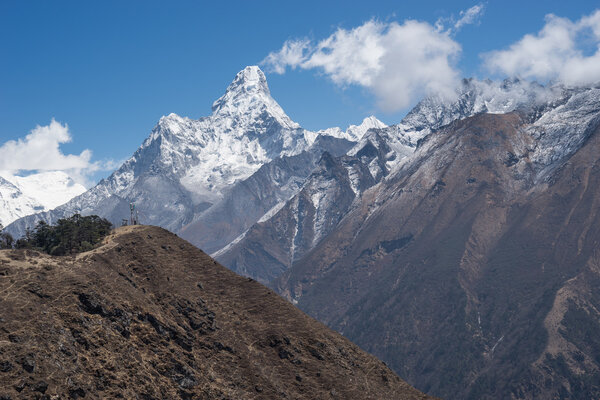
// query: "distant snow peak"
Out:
[50,188]
[250,79]
[173,123]
[354,132]
[171,119]
[205,156]
[25,195]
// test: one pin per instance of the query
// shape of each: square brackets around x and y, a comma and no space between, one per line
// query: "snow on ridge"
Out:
[274,210]
[25,195]
[473,97]
[563,129]
[354,132]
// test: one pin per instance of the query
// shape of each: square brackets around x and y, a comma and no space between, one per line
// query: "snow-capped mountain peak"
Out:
[186,164]
[356,132]
[248,98]
[249,80]
[169,126]
[25,195]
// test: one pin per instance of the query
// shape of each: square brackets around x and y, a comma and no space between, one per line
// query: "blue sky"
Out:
[110,70]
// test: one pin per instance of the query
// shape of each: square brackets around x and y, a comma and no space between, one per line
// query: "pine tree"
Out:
[6,239]
[71,235]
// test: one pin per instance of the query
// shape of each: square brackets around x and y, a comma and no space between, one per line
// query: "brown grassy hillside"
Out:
[149,316]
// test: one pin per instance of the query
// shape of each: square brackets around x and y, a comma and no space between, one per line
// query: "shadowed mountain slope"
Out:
[270,246]
[149,316]
[474,270]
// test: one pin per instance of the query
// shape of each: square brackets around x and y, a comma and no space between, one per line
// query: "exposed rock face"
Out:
[249,200]
[272,245]
[477,259]
[147,315]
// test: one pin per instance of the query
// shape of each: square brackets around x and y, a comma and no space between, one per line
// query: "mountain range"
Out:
[476,260]
[459,245]
[276,241]
[186,167]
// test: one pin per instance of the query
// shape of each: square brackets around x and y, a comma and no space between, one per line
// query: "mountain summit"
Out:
[186,165]
[249,81]
[248,98]
[355,132]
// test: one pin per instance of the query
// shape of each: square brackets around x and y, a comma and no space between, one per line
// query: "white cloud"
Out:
[350,57]
[397,62]
[291,54]
[466,17]
[469,16]
[556,52]
[40,151]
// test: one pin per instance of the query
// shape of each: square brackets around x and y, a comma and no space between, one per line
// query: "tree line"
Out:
[71,235]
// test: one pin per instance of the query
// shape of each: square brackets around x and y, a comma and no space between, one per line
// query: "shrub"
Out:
[71,235]
[6,239]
